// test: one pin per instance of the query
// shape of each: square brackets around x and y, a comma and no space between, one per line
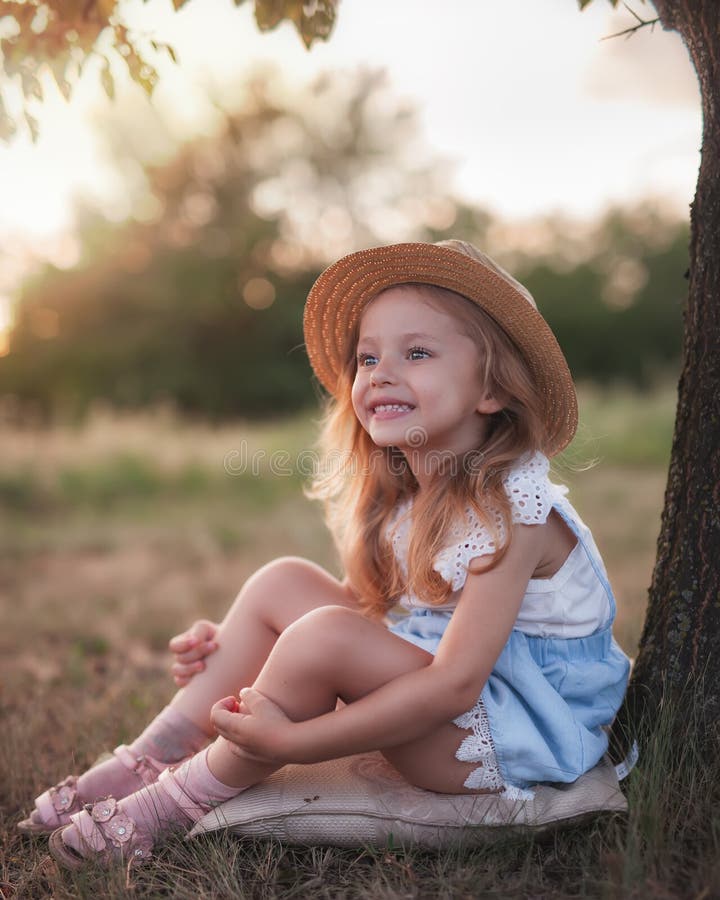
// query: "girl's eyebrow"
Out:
[412,336]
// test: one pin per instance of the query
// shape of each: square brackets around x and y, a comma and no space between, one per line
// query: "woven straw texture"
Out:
[339,295]
[362,800]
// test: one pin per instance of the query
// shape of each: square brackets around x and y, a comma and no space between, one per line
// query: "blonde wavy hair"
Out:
[361,484]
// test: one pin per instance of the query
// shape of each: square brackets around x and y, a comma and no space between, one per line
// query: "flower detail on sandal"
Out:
[64,796]
[55,807]
[103,829]
[103,810]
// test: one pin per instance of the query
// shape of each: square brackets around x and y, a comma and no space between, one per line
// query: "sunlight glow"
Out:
[563,126]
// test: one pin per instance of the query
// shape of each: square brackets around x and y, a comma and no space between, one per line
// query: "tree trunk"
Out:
[680,643]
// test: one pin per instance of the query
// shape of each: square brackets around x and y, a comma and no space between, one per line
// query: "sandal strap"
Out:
[145,767]
[105,828]
[172,786]
[59,800]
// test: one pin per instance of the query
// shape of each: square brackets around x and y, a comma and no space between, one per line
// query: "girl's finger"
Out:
[182,642]
[187,671]
[199,652]
[203,630]
[228,704]
[190,656]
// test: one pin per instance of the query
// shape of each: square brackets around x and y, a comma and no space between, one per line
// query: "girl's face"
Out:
[412,355]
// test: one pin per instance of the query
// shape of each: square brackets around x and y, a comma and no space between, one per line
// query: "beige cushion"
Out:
[362,800]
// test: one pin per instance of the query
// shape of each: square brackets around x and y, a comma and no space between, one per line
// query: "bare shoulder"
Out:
[556,541]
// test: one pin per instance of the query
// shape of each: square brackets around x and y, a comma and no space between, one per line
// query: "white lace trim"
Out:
[531,495]
[479,747]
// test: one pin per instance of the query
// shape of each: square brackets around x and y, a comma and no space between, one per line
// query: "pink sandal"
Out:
[106,832]
[55,807]
[109,831]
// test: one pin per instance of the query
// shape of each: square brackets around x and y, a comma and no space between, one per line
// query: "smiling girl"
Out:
[470,640]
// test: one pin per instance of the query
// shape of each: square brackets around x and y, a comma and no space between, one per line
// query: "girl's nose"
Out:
[381,374]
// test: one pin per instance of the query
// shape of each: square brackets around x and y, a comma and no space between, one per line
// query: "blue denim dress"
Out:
[543,712]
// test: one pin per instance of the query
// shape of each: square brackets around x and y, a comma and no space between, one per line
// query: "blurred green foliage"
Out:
[64,35]
[197,299]
[617,314]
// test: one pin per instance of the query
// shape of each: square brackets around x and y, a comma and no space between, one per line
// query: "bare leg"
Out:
[271,599]
[357,657]
[328,653]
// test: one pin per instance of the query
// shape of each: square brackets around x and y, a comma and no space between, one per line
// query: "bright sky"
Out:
[534,113]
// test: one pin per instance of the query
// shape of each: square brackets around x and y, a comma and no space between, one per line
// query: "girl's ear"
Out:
[489,404]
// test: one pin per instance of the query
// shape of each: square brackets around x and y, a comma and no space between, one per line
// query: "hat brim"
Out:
[338,297]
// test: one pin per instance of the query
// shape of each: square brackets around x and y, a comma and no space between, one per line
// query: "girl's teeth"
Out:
[394,407]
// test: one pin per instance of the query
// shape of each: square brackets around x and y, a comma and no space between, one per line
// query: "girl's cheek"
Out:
[357,405]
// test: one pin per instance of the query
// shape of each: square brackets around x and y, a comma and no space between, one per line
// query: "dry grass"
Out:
[97,570]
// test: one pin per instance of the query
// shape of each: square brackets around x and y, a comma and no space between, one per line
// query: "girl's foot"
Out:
[123,774]
[169,739]
[126,830]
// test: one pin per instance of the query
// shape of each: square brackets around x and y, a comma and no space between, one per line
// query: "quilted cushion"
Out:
[362,800]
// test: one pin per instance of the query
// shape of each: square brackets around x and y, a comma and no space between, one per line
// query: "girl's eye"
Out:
[365,359]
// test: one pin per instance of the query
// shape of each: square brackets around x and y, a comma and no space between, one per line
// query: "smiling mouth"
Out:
[389,410]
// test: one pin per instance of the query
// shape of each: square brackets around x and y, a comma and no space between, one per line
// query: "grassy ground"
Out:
[115,537]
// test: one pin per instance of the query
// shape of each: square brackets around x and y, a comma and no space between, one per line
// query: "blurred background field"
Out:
[162,344]
[155,396]
[116,533]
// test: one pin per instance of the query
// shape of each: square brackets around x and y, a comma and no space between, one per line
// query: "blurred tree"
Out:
[66,34]
[200,302]
[617,312]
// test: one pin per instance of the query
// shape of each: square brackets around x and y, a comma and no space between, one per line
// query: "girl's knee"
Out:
[324,632]
[294,572]
[282,570]
[274,579]
[329,620]
[285,589]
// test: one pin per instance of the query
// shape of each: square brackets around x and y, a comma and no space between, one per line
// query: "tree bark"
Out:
[680,643]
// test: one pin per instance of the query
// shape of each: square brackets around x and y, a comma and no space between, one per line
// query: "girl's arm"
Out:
[416,703]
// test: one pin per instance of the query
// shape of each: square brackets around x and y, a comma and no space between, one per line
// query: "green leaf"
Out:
[58,67]
[32,124]
[10,65]
[107,80]
[7,126]
[269,13]
[141,72]
[31,86]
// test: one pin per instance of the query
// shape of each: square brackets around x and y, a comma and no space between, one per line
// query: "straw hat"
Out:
[340,294]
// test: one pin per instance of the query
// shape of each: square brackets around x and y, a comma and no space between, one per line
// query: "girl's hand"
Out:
[190,649]
[256,725]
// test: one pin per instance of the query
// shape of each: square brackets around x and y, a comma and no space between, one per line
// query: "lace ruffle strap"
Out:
[531,495]
[478,747]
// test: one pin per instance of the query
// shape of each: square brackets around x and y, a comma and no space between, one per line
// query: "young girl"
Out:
[471,639]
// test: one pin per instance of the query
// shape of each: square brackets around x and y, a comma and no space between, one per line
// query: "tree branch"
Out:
[642,23]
